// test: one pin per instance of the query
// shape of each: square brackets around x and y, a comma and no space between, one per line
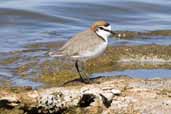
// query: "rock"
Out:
[83,97]
[117,95]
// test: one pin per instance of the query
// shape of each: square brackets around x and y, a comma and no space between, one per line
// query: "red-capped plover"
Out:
[86,45]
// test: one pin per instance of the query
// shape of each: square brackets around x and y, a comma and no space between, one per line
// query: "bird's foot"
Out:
[86,80]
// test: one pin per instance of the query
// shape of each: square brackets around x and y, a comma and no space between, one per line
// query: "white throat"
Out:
[104,34]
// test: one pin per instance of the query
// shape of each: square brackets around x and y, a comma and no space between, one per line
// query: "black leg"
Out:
[81,72]
[78,70]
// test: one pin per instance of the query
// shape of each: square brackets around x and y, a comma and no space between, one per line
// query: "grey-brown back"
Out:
[83,41]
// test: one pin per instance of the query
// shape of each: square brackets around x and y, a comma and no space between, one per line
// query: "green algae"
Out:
[9,60]
[58,78]
[109,60]
[133,34]
[127,34]
[45,45]
[22,70]
[56,72]
[160,33]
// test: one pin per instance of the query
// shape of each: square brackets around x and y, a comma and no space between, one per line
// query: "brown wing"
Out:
[80,42]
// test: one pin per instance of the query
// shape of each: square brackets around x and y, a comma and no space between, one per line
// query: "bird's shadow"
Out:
[78,80]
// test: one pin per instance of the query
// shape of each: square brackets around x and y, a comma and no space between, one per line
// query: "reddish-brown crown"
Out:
[99,23]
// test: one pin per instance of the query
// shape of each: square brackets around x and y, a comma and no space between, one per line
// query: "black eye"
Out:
[101,28]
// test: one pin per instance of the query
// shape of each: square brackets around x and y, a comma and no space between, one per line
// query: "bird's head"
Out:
[102,29]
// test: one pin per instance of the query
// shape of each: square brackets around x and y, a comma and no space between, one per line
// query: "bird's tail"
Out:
[55,54]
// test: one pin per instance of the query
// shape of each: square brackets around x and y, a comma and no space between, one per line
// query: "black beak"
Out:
[113,33]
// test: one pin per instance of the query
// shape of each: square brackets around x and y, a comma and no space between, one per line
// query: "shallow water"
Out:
[139,73]
[26,22]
